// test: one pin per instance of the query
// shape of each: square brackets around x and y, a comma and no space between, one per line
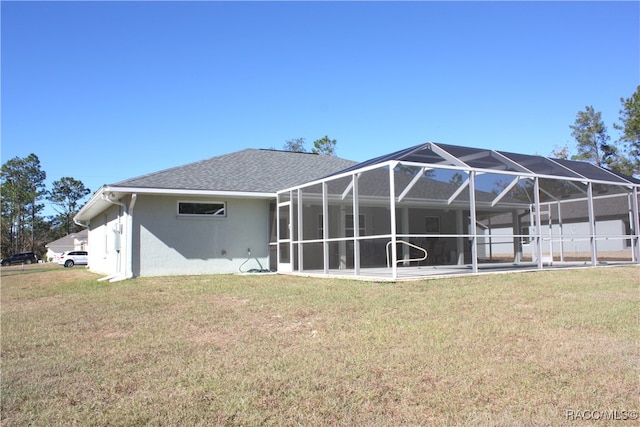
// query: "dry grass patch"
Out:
[509,349]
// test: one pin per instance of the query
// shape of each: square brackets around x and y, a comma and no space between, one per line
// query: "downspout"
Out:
[129,259]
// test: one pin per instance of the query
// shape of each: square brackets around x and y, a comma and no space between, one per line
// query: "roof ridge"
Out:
[276,150]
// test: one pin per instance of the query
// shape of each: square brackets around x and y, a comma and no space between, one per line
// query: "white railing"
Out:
[411,245]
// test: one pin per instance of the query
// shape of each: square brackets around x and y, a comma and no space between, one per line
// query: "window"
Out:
[214,209]
[628,232]
[348,226]
[320,227]
[432,224]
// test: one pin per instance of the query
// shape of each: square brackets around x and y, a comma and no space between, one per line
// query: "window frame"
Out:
[362,226]
[432,224]
[348,230]
[202,215]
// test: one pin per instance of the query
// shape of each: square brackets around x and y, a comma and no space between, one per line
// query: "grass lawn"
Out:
[517,349]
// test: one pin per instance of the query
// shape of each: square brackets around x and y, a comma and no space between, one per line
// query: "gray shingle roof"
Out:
[250,170]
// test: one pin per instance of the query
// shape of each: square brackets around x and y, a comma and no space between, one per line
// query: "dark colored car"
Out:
[21,258]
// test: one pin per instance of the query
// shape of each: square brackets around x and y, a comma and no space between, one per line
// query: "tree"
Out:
[591,138]
[324,145]
[630,127]
[456,179]
[22,181]
[559,152]
[66,194]
[295,145]
[6,226]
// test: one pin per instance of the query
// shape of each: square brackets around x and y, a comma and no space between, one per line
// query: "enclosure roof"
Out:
[470,158]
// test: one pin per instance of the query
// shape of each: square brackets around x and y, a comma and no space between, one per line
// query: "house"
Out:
[431,209]
[71,242]
[211,216]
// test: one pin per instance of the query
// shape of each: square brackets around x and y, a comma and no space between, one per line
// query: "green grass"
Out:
[508,349]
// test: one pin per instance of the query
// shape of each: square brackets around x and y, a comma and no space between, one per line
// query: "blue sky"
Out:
[105,91]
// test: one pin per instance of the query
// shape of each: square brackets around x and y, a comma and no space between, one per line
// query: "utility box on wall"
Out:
[117,231]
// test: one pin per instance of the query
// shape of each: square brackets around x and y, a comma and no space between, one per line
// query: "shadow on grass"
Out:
[28,269]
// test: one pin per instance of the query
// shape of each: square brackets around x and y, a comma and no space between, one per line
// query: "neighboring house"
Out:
[71,242]
[212,216]
[562,230]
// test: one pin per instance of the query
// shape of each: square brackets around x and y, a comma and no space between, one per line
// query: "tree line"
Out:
[22,180]
[24,227]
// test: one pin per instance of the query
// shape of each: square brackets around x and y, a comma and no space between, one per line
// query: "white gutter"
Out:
[98,195]
[80,223]
[106,196]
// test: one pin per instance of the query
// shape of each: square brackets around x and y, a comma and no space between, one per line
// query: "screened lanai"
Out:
[437,209]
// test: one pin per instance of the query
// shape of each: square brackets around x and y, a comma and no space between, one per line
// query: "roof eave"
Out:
[98,202]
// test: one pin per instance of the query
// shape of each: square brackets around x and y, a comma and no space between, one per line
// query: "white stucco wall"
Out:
[104,256]
[166,243]
[497,242]
[576,239]
[608,233]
